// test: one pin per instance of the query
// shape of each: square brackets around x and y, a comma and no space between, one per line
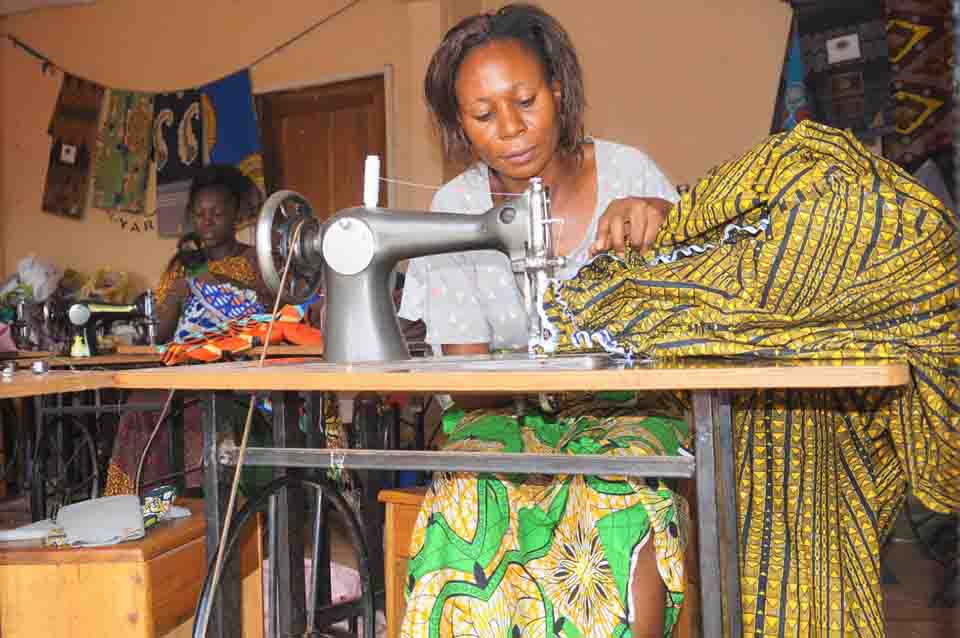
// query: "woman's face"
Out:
[508,110]
[214,216]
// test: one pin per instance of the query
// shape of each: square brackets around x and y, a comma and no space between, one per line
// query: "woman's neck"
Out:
[573,186]
[229,248]
[563,168]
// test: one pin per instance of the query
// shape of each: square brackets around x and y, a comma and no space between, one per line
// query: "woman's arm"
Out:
[630,221]
[643,196]
[171,292]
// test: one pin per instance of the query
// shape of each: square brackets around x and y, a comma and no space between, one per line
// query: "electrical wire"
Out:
[47,63]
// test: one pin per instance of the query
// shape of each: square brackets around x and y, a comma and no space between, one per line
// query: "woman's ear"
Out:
[557,91]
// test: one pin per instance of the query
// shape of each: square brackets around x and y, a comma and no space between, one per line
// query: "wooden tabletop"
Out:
[24,383]
[142,356]
[520,374]
[163,537]
[98,361]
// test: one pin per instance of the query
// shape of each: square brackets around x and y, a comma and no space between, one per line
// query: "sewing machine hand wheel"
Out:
[286,225]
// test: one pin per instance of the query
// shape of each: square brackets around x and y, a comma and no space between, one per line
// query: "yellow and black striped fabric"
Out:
[810,247]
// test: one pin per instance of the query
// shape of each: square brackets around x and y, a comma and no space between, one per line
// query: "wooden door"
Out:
[316,141]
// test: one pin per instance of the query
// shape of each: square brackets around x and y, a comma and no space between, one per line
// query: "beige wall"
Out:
[690,81]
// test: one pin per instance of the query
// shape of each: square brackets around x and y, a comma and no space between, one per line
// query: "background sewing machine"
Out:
[93,319]
[354,254]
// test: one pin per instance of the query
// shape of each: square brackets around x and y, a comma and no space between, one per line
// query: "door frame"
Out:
[389,103]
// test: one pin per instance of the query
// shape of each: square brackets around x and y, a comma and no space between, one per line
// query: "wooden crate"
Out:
[402,507]
[143,589]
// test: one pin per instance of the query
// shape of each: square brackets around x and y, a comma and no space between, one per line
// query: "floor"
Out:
[906,603]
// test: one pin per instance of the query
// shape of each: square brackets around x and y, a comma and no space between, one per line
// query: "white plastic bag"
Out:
[42,277]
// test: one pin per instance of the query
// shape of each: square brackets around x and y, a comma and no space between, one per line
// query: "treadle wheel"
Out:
[13,434]
[365,608]
[65,467]
[286,224]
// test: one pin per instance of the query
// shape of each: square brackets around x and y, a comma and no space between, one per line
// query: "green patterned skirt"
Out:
[539,556]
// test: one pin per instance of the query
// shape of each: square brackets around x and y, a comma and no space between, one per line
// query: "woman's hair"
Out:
[542,35]
[224,178]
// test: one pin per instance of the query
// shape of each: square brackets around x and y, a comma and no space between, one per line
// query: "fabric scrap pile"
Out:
[239,335]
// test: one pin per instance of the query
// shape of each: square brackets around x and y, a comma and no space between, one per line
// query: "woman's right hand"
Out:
[630,221]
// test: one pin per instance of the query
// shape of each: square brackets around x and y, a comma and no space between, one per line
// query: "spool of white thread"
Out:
[371,181]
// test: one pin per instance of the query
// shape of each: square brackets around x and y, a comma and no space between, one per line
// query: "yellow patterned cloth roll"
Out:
[810,247]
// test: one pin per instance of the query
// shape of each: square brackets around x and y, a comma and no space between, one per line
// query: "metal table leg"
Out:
[316,438]
[286,558]
[225,616]
[721,612]
[38,497]
[369,433]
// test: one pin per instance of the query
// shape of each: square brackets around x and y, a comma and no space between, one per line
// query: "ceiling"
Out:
[8,7]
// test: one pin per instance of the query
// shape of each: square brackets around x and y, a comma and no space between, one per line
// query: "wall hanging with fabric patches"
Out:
[177,135]
[73,133]
[230,127]
[178,153]
[123,153]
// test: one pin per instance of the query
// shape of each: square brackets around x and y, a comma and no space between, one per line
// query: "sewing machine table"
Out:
[708,381]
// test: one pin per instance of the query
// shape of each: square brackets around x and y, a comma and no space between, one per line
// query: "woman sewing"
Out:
[212,279]
[588,556]
[807,246]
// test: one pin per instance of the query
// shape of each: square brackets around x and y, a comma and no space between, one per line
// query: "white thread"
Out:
[430,187]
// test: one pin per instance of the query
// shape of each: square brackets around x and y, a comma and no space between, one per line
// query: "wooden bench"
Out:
[142,589]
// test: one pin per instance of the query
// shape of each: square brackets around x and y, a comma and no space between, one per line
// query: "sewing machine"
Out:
[94,317]
[353,254]
[33,332]
[21,328]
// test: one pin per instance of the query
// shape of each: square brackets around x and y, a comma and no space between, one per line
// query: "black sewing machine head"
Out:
[93,318]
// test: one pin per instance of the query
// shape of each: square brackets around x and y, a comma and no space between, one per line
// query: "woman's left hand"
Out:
[631,221]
